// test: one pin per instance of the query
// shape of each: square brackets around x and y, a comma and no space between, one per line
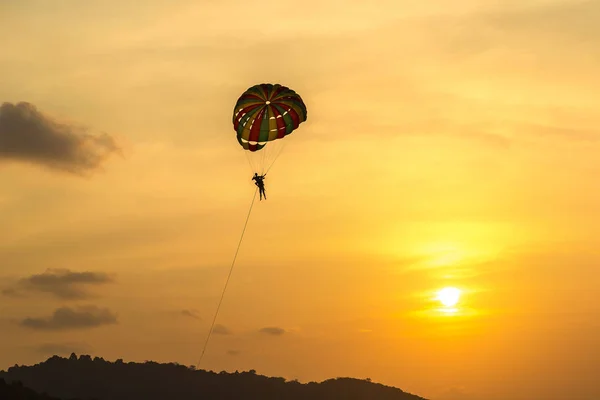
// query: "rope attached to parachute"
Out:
[227,281]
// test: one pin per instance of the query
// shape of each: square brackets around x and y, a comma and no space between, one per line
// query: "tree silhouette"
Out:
[16,391]
[87,378]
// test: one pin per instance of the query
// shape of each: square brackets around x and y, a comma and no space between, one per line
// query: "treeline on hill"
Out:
[16,391]
[86,378]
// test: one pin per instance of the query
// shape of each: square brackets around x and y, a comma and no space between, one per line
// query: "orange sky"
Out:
[446,145]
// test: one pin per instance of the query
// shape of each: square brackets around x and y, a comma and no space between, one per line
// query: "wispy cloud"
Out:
[28,135]
[62,283]
[190,314]
[273,331]
[65,318]
[221,330]
[11,292]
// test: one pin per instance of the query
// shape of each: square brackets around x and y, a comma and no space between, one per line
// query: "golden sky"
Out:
[447,145]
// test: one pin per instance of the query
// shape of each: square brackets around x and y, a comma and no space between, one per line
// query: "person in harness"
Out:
[259,181]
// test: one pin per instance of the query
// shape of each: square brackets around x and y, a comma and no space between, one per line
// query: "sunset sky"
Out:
[448,144]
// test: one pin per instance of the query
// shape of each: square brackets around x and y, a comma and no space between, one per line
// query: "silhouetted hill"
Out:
[16,391]
[87,378]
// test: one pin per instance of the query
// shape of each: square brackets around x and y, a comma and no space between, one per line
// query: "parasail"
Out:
[262,118]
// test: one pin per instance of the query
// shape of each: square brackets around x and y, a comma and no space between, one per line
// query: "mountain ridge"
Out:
[86,378]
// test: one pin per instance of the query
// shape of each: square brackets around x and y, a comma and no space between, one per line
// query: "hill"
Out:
[87,378]
[16,391]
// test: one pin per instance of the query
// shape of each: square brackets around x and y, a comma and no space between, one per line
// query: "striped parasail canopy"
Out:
[265,113]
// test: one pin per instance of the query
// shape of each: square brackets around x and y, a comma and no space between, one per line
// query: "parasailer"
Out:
[263,116]
[260,182]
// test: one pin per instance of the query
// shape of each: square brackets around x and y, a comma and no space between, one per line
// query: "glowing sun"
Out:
[448,296]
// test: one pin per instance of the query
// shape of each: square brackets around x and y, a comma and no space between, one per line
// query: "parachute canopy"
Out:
[265,113]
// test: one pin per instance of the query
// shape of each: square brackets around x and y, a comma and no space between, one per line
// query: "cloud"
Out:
[274,331]
[221,330]
[62,348]
[190,314]
[61,283]
[568,24]
[28,135]
[573,134]
[11,292]
[233,352]
[68,318]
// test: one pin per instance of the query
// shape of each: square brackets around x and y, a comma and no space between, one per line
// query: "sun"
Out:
[448,296]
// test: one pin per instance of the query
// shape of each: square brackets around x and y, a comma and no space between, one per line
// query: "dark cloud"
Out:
[61,283]
[233,352]
[68,318]
[190,314]
[221,330]
[28,135]
[62,348]
[273,330]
